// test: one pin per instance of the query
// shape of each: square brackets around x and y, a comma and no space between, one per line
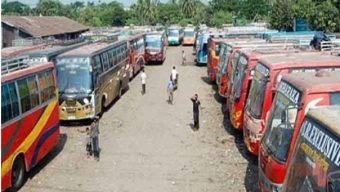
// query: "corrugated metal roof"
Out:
[44,26]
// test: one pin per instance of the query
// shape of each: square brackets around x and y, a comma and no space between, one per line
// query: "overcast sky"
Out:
[126,3]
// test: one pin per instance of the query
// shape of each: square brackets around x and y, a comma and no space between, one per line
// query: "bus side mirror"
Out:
[333,183]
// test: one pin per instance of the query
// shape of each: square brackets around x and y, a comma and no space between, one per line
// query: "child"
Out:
[88,143]
[183,57]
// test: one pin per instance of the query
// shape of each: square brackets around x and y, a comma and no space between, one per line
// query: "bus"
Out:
[203,46]
[90,78]
[313,167]
[29,121]
[213,56]
[189,36]
[175,35]
[241,77]
[155,47]
[10,52]
[262,90]
[136,54]
[295,95]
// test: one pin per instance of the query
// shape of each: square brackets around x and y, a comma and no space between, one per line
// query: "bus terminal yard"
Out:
[268,115]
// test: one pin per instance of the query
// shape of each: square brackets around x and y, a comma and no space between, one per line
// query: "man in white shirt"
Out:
[143,78]
[174,76]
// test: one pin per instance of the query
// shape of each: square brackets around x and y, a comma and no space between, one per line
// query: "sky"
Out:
[126,3]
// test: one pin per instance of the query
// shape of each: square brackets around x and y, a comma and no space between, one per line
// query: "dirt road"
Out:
[148,145]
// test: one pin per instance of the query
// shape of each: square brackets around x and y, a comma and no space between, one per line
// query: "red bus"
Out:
[324,174]
[136,54]
[9,52]
[155,47]
[241,77]
[213,56]
[29,121]
[267,73]
[295,95]
[227,79]
[227,57]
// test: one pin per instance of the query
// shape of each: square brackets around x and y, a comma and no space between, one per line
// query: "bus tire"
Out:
[102,107]
[18,173]
[120,92]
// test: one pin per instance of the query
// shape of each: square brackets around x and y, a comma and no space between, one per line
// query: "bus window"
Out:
[334,98]
[24,95]
[46,86]
[105,60]
[9,102]
[110,55]
[98,65]
[34,92]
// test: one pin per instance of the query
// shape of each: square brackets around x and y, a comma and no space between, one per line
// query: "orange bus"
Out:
[213,56]
[189,36]
[29,121]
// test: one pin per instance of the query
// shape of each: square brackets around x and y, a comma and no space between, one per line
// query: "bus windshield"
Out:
[74,75]
[240,72]
[174,33]
[257,91]
[280,125]
[153,42]
[189,34]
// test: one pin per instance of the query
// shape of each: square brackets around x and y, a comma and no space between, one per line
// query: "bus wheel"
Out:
[102,107]
[18,173]
[120,93]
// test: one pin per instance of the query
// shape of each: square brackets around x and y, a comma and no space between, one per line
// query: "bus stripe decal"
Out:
[11,140]
[27,143]
[41,141]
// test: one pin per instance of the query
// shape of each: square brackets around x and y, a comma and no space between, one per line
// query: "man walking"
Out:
[174,77]
[94,137]
[143,78]
[170,88]
[196,103]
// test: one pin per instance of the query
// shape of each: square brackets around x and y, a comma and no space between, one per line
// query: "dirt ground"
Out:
[148,145]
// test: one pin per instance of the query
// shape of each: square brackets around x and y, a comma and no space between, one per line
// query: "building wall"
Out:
[7,35]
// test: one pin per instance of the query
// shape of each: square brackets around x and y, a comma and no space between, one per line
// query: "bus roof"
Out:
[50,51]
[300,59]
[309,82]
[26,71]
[328,116]
[91,49]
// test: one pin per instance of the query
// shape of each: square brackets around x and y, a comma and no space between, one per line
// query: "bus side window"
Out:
[98,64]
[47,87]
[105,60]
[34,92]
[115,59]
[110,54]
[334,99]
[24,95]
[9,102]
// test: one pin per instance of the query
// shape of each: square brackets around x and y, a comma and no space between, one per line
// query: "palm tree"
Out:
[188,7]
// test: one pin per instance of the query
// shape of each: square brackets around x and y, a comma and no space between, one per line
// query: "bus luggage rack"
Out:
[13,64]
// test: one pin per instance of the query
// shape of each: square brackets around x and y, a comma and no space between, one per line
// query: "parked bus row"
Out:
[285,101]
[39,87]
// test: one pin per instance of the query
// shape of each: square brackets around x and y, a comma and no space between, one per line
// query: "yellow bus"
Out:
[90,78]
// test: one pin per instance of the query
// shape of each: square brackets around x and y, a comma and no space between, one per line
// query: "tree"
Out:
[167,13]
[15,8]
[48,7]
[282,15]
[255,9]
[325,17]
[221,17]
[188,8]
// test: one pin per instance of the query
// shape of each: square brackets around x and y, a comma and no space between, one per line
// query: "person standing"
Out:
[183,57]
[196,104]
[174,77]
[170,88]
[95,138]
[88,143]
[143,78]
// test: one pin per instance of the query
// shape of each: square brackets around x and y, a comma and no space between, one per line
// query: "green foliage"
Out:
[15,8]
[219,18]
[321,14]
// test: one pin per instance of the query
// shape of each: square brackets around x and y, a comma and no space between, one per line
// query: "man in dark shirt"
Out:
[94,132]
[196,103]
